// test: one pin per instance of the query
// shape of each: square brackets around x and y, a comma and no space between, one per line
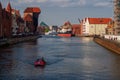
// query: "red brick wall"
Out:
[76,29]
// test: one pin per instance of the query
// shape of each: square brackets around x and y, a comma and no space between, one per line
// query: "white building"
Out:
[66,28]
[14,24]
[95,26]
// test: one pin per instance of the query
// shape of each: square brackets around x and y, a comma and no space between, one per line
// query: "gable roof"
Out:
[67,23]
[32,9]
[8,8]
[99,20]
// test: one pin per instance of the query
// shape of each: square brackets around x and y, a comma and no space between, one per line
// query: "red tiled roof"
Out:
[67,23]
[99,20]
[32,9]
[36,9]
[28,17]
[16,11]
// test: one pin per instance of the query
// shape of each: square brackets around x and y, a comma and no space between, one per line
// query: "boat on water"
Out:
[64,34]
[40,62]
[65,30]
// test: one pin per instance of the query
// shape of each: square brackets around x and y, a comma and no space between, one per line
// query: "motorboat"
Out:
[40,62]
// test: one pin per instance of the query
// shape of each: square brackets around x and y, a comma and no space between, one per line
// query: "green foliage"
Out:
[46,29]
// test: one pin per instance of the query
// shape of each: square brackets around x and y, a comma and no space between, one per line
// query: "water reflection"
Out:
[67,59]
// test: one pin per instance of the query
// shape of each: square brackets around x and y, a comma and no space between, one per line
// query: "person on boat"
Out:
[42,59]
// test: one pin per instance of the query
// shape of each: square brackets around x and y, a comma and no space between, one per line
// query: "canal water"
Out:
[67,59]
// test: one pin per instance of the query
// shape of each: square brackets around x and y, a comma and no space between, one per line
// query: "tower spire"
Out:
[0,5]
[8,8]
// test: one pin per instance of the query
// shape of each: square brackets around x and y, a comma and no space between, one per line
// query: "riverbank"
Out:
[109,44]
[16,40]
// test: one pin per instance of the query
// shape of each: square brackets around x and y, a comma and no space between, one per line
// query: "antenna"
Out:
[79,20]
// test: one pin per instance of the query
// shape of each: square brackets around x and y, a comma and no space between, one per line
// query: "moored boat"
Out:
[65,30]
[64,34]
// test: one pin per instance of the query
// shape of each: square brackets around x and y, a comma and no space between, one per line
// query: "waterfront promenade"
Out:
[112,45]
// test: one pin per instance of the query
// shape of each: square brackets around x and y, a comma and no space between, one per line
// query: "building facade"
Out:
[1,27]
[76,30]
[14,24]
[95,26]
[117,16]
[31,15]
[5,21]
[85,27]
[110,30]
[65,28]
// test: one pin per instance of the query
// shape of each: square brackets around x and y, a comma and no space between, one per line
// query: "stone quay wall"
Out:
[12,41]
[109,44]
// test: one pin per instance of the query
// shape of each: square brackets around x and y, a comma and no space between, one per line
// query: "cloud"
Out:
[31,1]
[62,3]
[68,3]
[103,4]
[58,3]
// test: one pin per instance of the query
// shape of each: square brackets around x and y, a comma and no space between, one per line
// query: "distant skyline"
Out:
[56,12]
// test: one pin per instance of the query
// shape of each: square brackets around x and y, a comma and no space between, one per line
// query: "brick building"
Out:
[76,29]
[31,15]
[1,27]
[117,16]
[18,24]
[5,21]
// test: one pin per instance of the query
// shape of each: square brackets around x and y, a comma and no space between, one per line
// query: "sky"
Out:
[56,12]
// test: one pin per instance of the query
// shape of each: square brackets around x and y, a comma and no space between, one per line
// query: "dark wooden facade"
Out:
[5,22]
